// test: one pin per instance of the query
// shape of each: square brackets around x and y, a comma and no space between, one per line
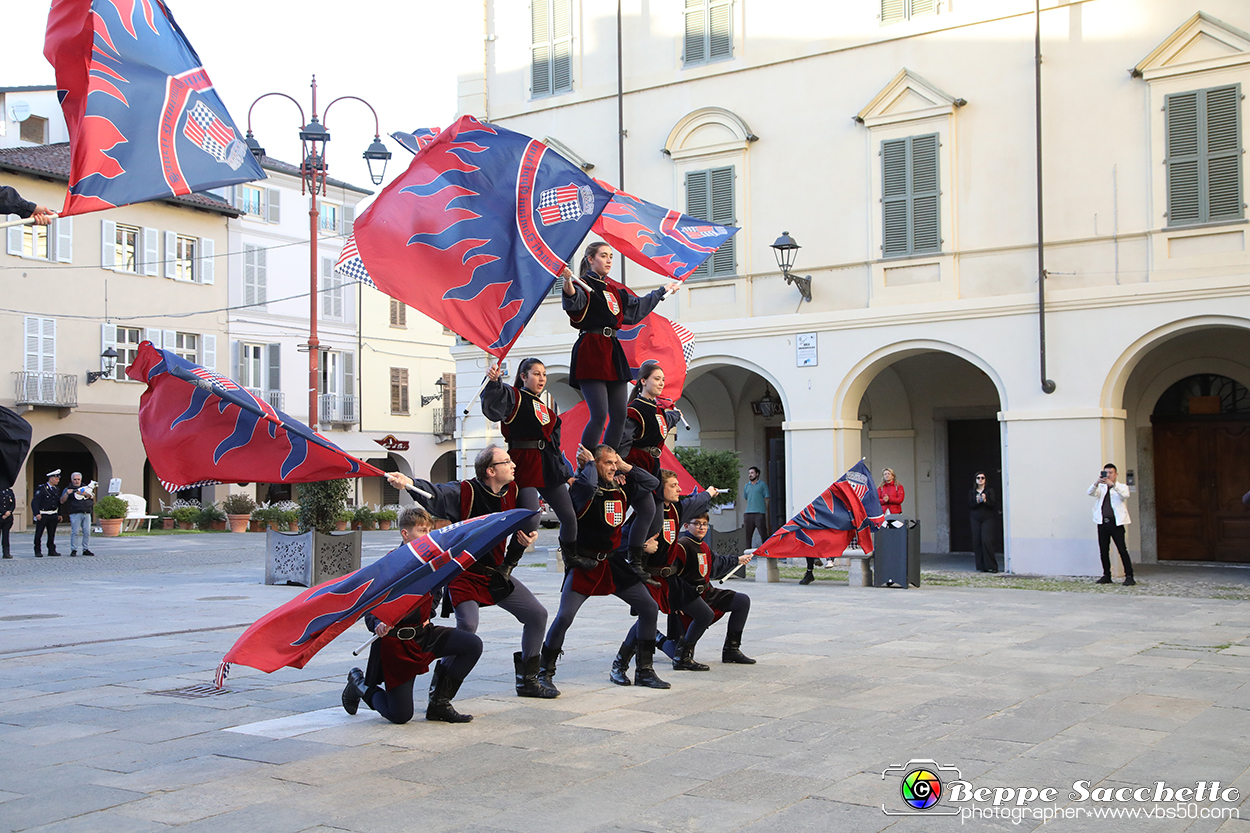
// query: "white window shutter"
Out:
[261,276]
[206,262]
[273,205]
[47,359]
[169,339]
[349,373]
[171,251]
[15,237]
[153,336]
[108,244]
[63,228]
[32,342]
[151,251]
[249,274]
[349,218]
[208,352]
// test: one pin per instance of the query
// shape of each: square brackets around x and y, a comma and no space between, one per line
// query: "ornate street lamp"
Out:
[785,249]
[313,139]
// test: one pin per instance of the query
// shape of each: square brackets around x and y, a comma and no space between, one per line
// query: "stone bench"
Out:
[859,568]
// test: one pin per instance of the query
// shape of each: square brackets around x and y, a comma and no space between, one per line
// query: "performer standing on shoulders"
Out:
[604,489]
[489,581]
[662,564]
[700,569]
[404,652]
[532,431]
[599,368]
[646,426]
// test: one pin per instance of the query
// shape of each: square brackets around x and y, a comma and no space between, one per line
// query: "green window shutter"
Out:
[923,7]
[1204,155]
[561,46]
[720,30]
[699,206]
[722,195]
[892,11]
[695,51]
[894,198]
[925,209]
[910,196]
[540,64]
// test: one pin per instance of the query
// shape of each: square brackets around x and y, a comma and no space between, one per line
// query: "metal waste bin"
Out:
[896,553]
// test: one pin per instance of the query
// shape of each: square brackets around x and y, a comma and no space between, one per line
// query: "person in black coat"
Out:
[46,509]
[983,512]
[12,202]
[7,504]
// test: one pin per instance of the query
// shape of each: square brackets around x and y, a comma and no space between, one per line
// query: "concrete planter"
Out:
[310,558]
[110,527]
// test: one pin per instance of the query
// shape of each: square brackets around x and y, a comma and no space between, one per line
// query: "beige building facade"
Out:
[896,141]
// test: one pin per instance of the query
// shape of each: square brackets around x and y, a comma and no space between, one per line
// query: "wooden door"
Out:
[1202,468]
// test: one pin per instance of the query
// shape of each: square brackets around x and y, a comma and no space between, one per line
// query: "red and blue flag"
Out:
[199,428]
[417,139]
[144,120]
[662,240]
[475,232]
[847,511]
[389,588]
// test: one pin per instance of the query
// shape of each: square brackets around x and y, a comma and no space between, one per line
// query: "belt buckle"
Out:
[601,556]
[608,332]
[406,633]
[541,445]
[654,452]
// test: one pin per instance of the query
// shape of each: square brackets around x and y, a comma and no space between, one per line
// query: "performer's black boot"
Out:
[547,670]
[443,688]
[730,653]
[355,691]
[808,578]
[527,684]
[645,675]
[633,561]
[568,552]
[684,661]
[620,665]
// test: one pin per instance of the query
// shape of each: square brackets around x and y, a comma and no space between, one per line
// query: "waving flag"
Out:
[389,588]
[14,444]
[660,239]
[848,510]
[672,345]
[417,139]
[199,427]
[474,233]
[144,120]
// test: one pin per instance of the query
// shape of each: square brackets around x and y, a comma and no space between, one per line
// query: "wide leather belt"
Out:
[408,633]
[606,332]
[597,556]
[662,572]
[654,451]
[539,444]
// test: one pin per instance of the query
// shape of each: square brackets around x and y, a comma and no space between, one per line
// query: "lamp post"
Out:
[785,249]
[313,138]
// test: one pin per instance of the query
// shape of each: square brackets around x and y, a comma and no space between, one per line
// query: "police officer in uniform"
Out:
[46,507]
[7,504]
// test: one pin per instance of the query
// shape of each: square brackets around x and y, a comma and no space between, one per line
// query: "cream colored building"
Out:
[88,283]
[896,141]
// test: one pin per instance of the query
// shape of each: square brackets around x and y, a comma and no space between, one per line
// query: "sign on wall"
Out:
[805,350]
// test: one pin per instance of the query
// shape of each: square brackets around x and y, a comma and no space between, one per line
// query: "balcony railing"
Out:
[445,421]
[57,390]
[338,407]
[275,398]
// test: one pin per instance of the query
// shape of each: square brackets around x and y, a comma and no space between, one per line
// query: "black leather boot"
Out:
[355,691]
[808,578]
[443,688]
[730,653]
[547,670]
[527,678]
[633,560]
[645,675]
[684,661]
[620,665]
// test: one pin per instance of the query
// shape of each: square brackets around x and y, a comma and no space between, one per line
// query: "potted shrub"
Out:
[385,517]
[322,504]
[289,518]
[238,509]
[167,520]
[211,517]
[362,518]
[342,520]
[186,516]
[111,511]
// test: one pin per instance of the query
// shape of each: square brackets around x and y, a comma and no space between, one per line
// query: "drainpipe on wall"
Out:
[1048,385]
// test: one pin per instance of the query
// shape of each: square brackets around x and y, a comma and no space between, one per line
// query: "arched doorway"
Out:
[70,454]
[930,413]
[1201,434]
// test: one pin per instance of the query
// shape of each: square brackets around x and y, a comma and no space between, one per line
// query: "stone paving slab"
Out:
[1013,687]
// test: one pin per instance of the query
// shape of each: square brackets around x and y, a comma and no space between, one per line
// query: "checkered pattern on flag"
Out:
[847,511]
[559,204]
[351,266]
[687,341]
[213,135]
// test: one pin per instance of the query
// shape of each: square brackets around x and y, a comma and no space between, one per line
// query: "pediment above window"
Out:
[707,131]
[1202,43]
[907,97]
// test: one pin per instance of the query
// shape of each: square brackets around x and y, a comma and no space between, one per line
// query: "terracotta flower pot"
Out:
[186,525]
[168,523]
[254,525]
[238,523]
[218,526]
[111,527]
[384,524]
[340,525]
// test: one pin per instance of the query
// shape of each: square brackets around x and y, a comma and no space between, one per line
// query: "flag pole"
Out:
[28,221]
[365,644]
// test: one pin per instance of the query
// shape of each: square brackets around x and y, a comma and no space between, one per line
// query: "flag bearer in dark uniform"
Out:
[700,567]
[660,563]
[403,653]
[7,504]
[598,367]
[601,500]
[532,431]
[646,426]
[12,202]
[46,507]
[489,581]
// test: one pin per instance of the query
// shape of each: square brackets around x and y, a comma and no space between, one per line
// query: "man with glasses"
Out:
[1111,516]
[489,581]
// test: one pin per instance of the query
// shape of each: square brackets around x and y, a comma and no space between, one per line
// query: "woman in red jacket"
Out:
[890,493]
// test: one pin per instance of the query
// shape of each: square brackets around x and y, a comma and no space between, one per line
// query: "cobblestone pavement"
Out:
[1018,689]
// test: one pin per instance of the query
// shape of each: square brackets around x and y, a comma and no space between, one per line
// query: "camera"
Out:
[1102,475]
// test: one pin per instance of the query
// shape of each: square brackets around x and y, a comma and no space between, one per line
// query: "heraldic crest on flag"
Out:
[144,119]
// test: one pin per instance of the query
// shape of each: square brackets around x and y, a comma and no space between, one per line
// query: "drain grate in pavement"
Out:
[196,692]
[28,616]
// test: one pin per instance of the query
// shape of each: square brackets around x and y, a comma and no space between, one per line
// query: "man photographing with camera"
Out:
[1111,516]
